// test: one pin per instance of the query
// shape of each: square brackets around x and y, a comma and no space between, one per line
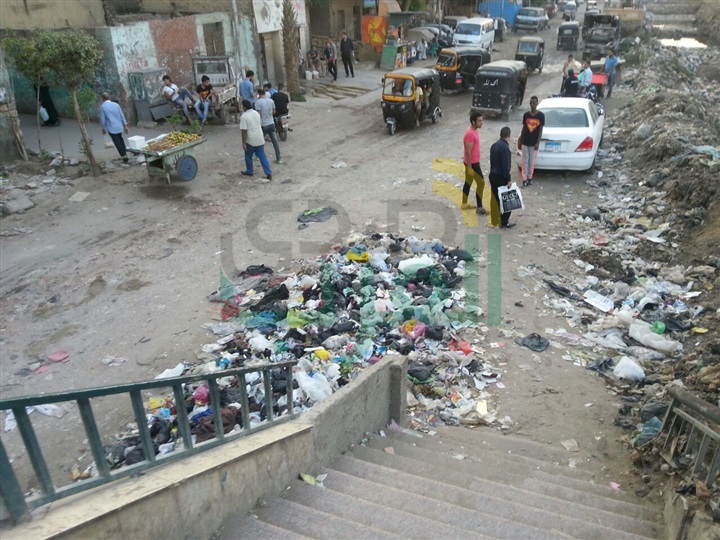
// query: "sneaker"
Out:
[269,176]
[530,182]
[246,173]
[279,161]
[525,184]
[508,226]
[126,159]
[480,210]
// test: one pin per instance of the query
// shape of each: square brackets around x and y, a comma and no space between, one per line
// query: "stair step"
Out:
[492,440]
[493,465]
[361,507]
[425,497]
[315,524]
[559,486]
[252,527]
[526,507]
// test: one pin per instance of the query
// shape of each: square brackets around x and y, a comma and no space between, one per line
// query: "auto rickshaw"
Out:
[401,96]
[500,87]
[569,11]
[568,35]
[531,50]
[457,66]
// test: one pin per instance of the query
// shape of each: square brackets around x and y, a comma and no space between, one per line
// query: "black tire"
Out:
[392,128]
[283,134]
[435,116]
[592,166]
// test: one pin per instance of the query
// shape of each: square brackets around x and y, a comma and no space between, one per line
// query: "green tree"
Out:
[26,58]
[290,47]
[73,56]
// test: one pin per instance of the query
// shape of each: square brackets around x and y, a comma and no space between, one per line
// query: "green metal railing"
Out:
[19,506]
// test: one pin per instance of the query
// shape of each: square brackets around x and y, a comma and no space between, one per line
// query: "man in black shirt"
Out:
[500,167]
[571,85]
[529,140]
[281,100]
[346,53]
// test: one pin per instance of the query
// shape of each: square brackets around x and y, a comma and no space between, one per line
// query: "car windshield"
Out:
[527,47]
[601,35]
[398,87]
[567,31]
[528,13]
[468,29]
[565,118]
[446,60]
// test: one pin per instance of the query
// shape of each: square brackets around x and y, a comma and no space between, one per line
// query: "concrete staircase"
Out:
[457,484]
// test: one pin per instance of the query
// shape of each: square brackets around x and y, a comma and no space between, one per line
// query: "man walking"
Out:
[266,107]
[346,53]
[246,88]
[471,158]
[610,68]
[253,140]
[331,57]
[113,123]
[177,96]
[500,167]
[529,140]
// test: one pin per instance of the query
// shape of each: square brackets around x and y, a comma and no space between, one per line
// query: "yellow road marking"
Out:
[450,192]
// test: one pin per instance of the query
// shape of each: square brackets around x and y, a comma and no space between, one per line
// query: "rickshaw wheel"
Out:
[435,116]
[392,128]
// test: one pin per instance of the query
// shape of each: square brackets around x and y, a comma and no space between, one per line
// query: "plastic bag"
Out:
[409,267]
[316,386]
[45,116]
[107,140]
[510,198]
[643,333]
[627,369]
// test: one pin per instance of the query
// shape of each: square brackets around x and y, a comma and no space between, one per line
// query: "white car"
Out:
[572,134]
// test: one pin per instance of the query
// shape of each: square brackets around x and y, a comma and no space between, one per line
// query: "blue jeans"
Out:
[610,83]
[250,151]
[270,130]
[180,101]
[205,104]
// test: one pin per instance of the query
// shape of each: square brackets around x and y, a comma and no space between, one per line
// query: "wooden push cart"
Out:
[177,160]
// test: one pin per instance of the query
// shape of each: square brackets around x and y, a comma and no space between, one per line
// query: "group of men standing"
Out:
[528,143]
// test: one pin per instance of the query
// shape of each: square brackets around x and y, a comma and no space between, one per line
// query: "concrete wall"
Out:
[47,14]
[194,496]
[8,115]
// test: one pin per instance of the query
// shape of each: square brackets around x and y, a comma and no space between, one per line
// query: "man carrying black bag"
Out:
[500,167]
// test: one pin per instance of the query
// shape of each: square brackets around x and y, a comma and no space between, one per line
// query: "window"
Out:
[527,47]
[566,118]
[594,114]
[398,87]
[468,29]
[446,60]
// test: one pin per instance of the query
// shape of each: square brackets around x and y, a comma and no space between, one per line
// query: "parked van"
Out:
[476,32]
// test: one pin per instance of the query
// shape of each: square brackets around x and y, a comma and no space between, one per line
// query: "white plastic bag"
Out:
[642,332]
[510,198]
[108,140]
[316,388]
[44,114]
[627,369]
[410,267]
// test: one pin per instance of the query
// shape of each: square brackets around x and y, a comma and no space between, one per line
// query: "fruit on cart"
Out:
[171,140]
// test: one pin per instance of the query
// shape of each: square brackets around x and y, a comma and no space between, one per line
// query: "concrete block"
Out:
[16,202]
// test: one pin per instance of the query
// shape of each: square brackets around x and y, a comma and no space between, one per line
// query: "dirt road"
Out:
[126,272]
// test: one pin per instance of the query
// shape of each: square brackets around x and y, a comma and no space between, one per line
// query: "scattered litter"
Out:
[317,215]
[58,356]
[339,165]
[113,361]
[570,445]
[79,196]
[47,409]
[534,341]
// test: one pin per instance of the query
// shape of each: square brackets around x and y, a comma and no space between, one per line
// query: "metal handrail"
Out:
[19,505]
[690,428]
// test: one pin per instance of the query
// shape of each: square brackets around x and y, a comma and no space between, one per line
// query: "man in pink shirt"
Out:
[471,158]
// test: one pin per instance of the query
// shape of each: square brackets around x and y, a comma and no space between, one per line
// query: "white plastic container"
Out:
[136,142]
[308,75]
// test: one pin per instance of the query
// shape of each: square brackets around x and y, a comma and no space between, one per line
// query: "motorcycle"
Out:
[281,126]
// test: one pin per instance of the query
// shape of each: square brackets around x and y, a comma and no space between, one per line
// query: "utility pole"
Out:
[236,36]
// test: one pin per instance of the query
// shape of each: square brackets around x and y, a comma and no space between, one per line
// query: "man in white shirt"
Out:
[266,107]
[585,77]
[177,96]
[253,140]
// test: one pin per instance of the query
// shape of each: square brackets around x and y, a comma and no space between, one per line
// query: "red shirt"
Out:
[472,136]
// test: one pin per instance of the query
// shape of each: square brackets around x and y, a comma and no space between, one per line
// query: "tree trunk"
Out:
[290,47]
[83,133]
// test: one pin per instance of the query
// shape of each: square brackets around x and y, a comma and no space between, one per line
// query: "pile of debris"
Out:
[375,296]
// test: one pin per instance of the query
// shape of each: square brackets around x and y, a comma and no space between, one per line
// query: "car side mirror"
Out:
[600,109]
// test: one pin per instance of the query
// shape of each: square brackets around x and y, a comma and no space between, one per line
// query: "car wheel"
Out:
[591,168]
[392,128]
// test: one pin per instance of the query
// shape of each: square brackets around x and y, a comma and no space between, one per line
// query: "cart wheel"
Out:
[187,168]
[224,114]
[392,128]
